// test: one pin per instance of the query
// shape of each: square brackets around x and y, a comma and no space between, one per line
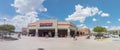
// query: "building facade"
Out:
[24,31]
[51,28]
[114,31]
[83,31]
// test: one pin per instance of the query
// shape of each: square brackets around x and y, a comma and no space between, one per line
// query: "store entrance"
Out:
[46,33]
[72,33]
[62,33]
[32,32]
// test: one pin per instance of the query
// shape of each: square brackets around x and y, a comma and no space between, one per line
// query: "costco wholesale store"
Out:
[51,28]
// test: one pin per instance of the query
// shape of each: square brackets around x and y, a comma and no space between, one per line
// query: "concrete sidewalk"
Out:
[33,43]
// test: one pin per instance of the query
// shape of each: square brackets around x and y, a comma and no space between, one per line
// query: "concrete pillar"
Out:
[28,32]
[75,32]
[56,32]
[68,32]
[36,34]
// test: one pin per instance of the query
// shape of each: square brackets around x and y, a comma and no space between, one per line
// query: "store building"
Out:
[51,28]
[114,31]
[24,31]
[83,31]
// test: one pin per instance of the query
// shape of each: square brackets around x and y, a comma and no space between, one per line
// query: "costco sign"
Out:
[46,24]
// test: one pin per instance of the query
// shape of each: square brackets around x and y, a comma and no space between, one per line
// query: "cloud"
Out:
[100,12]
[26,6]
[27,12]
[114,28]
[119,19]
[106,27]
[104,14]
[25,19]
[94,19]
[81,13]
[108,22]
[82,26]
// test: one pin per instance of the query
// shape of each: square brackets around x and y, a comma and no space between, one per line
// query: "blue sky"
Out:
[62,9]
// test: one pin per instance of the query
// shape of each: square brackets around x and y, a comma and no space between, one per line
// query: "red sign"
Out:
[46,24]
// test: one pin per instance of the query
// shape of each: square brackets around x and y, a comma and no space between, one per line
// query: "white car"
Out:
[106,35]
[115,35]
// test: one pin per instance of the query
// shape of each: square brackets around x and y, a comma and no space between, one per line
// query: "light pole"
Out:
[4,19]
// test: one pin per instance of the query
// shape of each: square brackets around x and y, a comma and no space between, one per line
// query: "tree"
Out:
[7,28]
[100,29]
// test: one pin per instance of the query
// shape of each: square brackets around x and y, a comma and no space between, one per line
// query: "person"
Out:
[49,34]
[88,37]
[74,37]
[96,36]
[19,35]
[46,35]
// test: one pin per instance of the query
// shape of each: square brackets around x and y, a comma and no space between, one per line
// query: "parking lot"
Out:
[33,43]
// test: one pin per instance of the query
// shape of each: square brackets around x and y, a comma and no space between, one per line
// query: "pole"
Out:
[4,19]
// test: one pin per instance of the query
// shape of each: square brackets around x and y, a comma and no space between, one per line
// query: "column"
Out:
[68,32]
[76,32]
[56,32]
[36,33]
[28,31]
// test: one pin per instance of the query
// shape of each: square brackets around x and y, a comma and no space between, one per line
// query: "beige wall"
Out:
[63,25]
[55,24]
[32,26]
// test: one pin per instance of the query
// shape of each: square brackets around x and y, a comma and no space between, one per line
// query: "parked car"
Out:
[106,35]
[115,35]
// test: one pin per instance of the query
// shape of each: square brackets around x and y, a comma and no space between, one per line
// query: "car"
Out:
[106,35]
[115,35]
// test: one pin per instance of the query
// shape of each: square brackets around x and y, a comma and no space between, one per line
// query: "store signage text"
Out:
[46,24]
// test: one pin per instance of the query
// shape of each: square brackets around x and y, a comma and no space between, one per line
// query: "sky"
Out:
[83,13]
